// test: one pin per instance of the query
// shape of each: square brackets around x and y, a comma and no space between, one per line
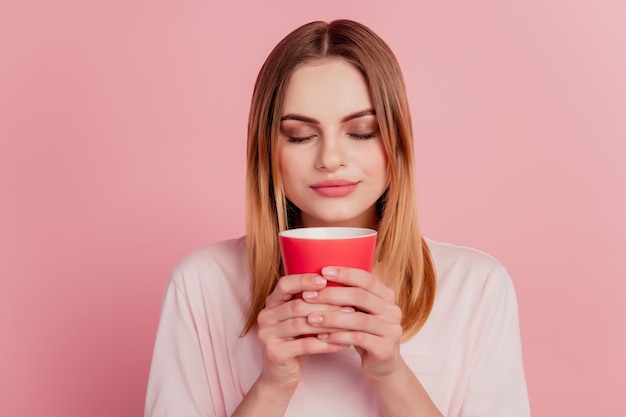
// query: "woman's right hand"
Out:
[282,323]
[279,327]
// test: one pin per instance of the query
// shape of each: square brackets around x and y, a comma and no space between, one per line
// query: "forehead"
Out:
[326,86]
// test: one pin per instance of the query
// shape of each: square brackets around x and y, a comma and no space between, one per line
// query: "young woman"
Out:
[432,331]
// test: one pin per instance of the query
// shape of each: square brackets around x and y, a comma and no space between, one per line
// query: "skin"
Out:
[338,139]
[328,132]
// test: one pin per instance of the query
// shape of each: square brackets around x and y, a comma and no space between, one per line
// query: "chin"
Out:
[339,222]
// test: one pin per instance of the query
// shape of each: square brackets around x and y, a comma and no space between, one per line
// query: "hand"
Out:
[283,320]
[374,329]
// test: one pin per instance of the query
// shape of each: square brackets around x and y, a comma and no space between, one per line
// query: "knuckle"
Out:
[309,278]
[282,286]
[298,326]
[261,333]
[308,343]
[367,321]
[396,313]
[262,318]
[389,294]
[359,338]
[298,307]
[397,332]
[370,281]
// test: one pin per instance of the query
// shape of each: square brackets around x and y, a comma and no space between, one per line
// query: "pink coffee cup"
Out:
[310,249]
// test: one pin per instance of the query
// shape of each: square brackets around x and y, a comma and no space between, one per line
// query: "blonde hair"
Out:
[408,264]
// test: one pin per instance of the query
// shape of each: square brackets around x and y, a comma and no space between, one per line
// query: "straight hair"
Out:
[408,266]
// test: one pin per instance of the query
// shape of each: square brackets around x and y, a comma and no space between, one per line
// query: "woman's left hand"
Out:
[374,329]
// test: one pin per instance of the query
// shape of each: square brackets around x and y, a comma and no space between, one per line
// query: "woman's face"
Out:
[331,155]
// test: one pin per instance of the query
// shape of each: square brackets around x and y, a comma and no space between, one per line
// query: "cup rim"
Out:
[327,233]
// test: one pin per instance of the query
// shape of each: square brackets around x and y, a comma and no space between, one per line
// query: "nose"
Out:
[331,154]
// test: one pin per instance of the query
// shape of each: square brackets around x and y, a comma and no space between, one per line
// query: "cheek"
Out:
[282,159]
[376,163]
[288,171]
[379,169]
[283,165]
[384,165]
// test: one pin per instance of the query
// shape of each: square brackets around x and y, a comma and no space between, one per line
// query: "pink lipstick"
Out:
[335,188]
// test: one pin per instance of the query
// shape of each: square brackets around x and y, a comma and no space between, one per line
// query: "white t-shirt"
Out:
[467,356]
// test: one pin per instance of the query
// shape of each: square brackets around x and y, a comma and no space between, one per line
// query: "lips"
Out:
[335,188]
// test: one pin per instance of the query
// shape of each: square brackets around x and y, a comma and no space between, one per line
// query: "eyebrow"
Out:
[352,116]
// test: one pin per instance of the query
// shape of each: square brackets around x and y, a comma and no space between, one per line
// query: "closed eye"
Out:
[292,139]
[362,136]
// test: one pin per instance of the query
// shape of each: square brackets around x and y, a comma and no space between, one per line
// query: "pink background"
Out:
[122,148]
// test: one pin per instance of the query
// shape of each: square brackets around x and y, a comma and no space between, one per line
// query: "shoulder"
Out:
[464,272]
[220,263]
[208,294]
[222,253]
[448,256]
[472,288]
[461,261]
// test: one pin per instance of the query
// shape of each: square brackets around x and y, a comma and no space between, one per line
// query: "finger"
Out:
[297,307]
[293,348]
[367,331]
[355,321]
[350,296]
[353,277]
[374,345]
[289,285]
[358,322]
[290,329]
[299,327]
[361,299]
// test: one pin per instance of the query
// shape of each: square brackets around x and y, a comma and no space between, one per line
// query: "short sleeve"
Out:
[178,384]
[497,384]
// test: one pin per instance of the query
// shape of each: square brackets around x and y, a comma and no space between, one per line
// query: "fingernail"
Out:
[329,271]
[348,309]
[322,336]
[315,319]
[309,295]
[319,280]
